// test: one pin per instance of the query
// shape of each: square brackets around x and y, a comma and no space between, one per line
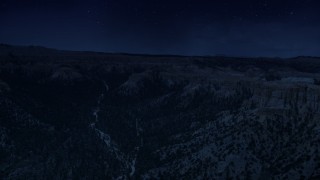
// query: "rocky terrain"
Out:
[86,115]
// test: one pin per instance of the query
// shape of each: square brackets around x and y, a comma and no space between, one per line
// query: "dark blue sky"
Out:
[186,27]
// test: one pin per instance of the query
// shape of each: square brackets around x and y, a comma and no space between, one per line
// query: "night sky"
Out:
[270,28]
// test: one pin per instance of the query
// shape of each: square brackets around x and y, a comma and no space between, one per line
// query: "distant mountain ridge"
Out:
[41,50]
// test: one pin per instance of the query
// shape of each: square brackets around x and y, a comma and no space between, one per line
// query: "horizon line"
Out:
[221,55]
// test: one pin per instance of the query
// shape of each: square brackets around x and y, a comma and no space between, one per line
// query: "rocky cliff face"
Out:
[74,115]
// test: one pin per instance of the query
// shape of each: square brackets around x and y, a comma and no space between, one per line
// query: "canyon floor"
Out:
[87,115]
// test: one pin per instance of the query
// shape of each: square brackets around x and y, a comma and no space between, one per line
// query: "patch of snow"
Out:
[104,137]
[133,166]
[65,73]
[106,86]
[95,114]
[298,80]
